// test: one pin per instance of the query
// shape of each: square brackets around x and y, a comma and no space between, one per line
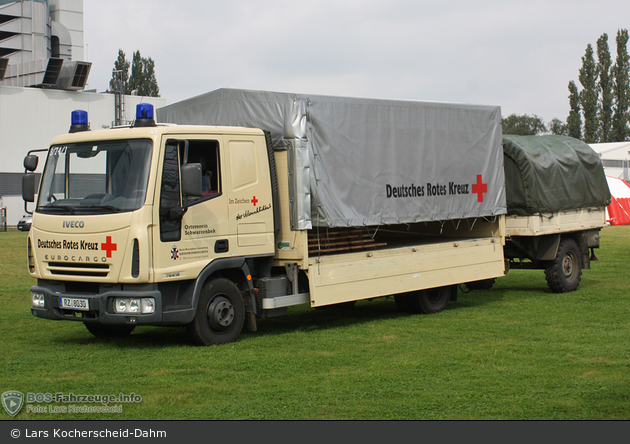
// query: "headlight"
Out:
[148,305]
[37,300]
[134,305]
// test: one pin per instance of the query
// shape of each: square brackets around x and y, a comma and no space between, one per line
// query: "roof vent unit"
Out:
[53,69]
[74,75]
[42,73]
[48,73]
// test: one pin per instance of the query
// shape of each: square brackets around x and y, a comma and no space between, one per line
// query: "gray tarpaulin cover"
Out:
[552,173]
[365,162]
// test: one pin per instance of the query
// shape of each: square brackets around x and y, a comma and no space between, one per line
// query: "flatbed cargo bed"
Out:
[557,222]
[436,262]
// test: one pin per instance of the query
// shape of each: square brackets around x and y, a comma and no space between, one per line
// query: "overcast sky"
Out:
[518,54]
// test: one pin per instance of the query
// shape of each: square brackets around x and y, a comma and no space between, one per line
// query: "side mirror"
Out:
[28,187]
[30,162]
[191,177]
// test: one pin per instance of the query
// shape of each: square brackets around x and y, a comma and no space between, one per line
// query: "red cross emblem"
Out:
[479,188]
[108,246]
[254,200]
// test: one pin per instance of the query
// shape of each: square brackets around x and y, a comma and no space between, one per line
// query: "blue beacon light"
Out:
[144,115]
[79,121]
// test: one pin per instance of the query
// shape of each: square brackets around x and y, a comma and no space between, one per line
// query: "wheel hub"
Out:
[220,313]
[567,265]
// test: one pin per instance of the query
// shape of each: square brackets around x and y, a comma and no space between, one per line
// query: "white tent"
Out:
[618,212]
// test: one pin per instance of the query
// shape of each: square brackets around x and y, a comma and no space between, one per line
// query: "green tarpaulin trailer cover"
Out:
[546,174]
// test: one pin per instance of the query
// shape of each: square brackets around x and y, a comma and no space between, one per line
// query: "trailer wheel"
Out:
[563,274]
[427,301]
[220,314]
[109,331]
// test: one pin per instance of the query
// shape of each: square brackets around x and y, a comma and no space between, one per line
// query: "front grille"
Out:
[82,287]
[31,258]
[81,270]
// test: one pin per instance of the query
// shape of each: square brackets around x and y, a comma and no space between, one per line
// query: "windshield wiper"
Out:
[105,208]
[57,207]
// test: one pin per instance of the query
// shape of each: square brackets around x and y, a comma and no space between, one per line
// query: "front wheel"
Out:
[563,274]
[220,314]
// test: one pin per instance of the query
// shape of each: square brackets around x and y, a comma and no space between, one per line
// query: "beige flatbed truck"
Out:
[293,200]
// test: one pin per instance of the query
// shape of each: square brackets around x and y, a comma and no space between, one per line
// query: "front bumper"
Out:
[101,306]
[22,226]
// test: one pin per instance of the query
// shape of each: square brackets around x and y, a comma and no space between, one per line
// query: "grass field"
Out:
[516,352]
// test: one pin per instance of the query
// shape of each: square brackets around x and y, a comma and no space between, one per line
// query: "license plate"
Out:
[74,304]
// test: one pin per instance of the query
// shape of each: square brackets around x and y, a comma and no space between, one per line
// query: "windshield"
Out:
[95,177]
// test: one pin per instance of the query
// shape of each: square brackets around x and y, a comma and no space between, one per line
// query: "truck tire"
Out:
[109,331]
[220,314]
[434,300]
[428,301]
[563,274]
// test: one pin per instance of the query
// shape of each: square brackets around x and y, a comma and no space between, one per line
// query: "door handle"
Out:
[221,246]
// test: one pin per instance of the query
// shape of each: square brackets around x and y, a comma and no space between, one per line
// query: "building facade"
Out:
[615,158]
[43,76]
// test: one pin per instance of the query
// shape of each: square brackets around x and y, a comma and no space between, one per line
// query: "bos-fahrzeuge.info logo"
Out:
[13,402]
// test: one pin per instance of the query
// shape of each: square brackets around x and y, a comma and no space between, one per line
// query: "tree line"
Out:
[599,108]
[141,81]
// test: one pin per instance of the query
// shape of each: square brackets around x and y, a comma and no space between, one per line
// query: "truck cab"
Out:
[127,220]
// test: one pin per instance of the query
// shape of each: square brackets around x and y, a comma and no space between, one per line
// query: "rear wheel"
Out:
[220,314]
[109,331]
[428,301]
[563,274]
[434,299]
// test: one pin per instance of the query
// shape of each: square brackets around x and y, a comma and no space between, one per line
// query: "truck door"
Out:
[184,245]
[249,195]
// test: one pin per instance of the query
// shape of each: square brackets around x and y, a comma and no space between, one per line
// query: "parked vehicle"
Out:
[334,200]
[557,194]
[250,202]
[24,224]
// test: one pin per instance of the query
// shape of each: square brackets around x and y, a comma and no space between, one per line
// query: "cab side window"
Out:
[206,153]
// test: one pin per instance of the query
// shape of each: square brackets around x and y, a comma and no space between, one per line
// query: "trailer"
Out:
[557,194]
